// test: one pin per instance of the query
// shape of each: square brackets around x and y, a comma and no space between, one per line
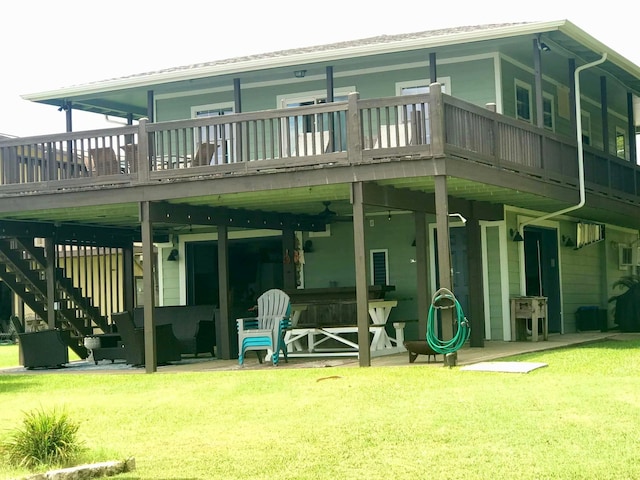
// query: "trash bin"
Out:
[591,317]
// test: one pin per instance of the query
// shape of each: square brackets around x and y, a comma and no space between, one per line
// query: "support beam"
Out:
[150,106]
[128,279]
[50,253]
[362,291]
[572,94]
[604,109]
[150,357]
[164,212]
[288,267]
[433,70]
[82,234]
[445,275]
[537,71]
[223,344]
[631,130]
[68,110]
[422,273]
[330,99]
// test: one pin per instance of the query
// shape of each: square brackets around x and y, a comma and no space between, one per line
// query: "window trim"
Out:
[372,252]
[444,81]
[620,132]
[527,87]
[551,98]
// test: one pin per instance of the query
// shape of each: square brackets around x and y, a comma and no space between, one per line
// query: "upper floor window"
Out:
[523,101]
[548,111]
[621,143]
[212,144]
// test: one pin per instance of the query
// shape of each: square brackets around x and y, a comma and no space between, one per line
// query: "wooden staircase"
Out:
[23,268]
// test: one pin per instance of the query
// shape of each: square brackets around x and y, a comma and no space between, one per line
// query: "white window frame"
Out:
[372,252]
[519,84]
[312,96]
[552,113]
[224,132]
[444,81]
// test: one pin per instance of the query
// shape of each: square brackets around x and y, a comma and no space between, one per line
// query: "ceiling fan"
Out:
[327,212]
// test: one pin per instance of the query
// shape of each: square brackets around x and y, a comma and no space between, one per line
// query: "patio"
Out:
[492,350]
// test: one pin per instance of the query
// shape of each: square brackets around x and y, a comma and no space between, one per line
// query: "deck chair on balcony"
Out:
[266,330]
[104,161]
[207,154]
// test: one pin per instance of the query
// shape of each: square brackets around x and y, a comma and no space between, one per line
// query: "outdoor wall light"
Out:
[567,242]
[173,255]
[543,47]
[459,215]
[299,73]
[515,235]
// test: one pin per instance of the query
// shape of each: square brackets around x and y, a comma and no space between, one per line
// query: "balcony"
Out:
[352,133]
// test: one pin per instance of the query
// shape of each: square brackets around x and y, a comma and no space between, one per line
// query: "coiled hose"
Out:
[444,299]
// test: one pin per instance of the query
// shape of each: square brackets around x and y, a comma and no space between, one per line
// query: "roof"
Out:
[570,37]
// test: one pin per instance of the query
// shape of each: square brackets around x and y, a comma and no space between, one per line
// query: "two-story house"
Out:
[497,161]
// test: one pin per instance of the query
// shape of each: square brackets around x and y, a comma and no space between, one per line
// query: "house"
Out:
[410,161]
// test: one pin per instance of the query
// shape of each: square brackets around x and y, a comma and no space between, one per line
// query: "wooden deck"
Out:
[385,139]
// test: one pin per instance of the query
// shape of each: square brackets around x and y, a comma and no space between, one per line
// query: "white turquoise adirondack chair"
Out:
[266,331]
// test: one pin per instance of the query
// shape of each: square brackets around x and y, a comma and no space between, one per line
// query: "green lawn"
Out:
[577,418]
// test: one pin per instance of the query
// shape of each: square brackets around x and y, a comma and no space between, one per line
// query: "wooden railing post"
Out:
[354,142]
[436,119]
[144,146]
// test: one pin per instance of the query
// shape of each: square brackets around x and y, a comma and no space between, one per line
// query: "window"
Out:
[379,264]
[586,127]
[306,129]
[621,143]
[219,135]
[523,101]
[548,111]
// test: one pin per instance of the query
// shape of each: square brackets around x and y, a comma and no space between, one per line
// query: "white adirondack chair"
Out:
[266,331]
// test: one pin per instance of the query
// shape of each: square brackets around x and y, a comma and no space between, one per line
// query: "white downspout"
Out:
[576,75]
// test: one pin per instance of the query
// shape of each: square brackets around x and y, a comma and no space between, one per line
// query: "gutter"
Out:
[576,76]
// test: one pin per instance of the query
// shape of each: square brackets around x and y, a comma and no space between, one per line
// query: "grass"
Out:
[578,418]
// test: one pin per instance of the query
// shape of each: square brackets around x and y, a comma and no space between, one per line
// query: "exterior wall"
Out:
[581,278]
[472,79]
[493,284]
[332,259]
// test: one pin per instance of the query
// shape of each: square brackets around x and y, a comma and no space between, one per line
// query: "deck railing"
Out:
[342,132]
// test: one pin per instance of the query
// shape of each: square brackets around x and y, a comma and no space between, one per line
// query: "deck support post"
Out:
[362,292]
[50,252]
[422,273]
[445,275]
[150,357]
[224,344]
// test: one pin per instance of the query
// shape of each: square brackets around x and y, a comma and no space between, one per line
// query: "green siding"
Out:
[494,286]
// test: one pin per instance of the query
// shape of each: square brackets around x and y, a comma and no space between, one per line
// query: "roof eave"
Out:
[290,60]
[155,78]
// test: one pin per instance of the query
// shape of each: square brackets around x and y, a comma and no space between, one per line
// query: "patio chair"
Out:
[205,155]
[44,349]
[105,161]
[266,330]
[167,346]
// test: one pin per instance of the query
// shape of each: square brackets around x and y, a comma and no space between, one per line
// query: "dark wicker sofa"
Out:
[193,326]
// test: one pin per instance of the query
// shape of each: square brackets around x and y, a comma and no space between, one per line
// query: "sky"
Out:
[46,45]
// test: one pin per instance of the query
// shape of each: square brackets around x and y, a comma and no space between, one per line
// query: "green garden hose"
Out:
[443,299]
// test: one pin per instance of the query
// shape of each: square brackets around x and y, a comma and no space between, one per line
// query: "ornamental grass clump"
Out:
[45,439]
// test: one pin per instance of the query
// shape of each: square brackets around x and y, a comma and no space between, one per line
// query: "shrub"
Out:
[44,439]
